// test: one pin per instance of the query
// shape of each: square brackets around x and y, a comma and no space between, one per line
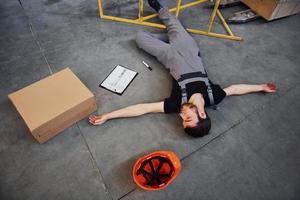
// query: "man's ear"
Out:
[181,115]
[202,114]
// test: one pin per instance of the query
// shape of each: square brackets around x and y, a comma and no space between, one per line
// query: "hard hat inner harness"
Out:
[156,176]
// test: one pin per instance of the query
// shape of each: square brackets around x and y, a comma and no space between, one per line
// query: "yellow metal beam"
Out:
[182,7]
[211,34]
[224,23]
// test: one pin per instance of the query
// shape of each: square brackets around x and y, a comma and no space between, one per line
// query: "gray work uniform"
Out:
[177,50]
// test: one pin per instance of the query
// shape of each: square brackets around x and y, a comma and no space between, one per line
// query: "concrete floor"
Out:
[252,151]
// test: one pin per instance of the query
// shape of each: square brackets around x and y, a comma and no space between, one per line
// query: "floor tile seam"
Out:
[35,38]
[20,2]
[123,196]
[18,58]
[94,162]
[40,48]
[257,110]
[9,36]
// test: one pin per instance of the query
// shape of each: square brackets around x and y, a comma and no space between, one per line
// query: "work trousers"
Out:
[176,49]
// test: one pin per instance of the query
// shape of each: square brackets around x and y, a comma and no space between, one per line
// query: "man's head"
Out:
[195,123]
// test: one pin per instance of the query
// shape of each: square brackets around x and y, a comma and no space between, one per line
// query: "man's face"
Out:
[189,115]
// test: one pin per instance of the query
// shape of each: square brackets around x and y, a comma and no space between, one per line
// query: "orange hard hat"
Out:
[156,170]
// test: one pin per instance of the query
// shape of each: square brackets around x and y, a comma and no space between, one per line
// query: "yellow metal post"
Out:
[177,8]
[213,15]
[141,10]
[100,8]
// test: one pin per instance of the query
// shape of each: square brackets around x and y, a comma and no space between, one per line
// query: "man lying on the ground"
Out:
[192,90]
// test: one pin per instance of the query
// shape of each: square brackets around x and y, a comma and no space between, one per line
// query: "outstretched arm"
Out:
[130,111]
[241,89]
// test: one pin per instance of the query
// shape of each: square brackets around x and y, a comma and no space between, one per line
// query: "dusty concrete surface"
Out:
[251,153]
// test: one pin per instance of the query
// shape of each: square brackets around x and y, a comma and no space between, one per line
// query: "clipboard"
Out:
[118,79]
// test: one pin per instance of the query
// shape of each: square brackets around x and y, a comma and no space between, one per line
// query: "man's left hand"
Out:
[269,87]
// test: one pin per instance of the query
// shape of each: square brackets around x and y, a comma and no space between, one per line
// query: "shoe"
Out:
[155,5]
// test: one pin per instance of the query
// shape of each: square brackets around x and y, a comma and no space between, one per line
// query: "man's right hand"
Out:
[130,111]
[98,120]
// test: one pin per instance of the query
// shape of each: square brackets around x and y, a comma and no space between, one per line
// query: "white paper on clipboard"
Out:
[118,80]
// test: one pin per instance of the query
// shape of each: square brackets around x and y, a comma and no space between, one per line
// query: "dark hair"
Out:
[202,128]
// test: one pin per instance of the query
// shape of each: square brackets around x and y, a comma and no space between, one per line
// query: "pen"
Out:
[147,65]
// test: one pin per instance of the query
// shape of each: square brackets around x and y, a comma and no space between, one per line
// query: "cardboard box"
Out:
[273,9]
[53,104]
